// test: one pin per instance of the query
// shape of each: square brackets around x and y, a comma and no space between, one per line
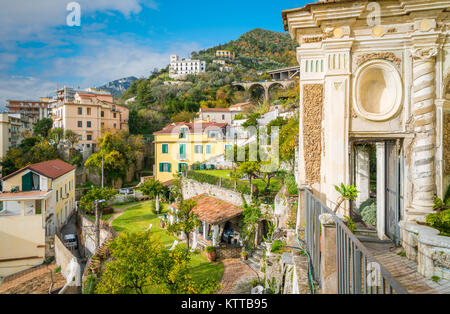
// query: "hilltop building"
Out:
[179,145]
[225,54]
[36,202]
[181,68]
[218,115]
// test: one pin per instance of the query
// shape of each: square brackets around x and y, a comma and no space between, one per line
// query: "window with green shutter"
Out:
[165,167]
[208,149]
[182,151]
[199,149]
[165,148]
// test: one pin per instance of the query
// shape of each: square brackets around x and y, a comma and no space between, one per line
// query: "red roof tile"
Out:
[215,109]
[212,210]
[198,126]
[37,194]
[52,169]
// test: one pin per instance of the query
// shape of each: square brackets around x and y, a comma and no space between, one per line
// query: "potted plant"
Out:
[210,253]
[244,255]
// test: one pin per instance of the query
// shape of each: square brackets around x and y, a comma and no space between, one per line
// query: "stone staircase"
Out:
[369,235]
[254,259]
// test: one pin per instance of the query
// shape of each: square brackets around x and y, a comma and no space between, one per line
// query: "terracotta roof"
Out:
[212,210]
[197,126]
[242,104]
[4,196]
[215,109]
[52,169]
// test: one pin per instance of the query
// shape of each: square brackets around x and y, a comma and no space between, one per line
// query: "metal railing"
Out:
[358,272]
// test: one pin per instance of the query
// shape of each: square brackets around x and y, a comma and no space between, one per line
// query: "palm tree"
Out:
[153,189]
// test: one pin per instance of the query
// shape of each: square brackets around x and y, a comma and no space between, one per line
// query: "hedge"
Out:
[241,187]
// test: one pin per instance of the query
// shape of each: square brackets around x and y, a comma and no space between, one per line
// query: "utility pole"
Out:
[97,226]
[102,171]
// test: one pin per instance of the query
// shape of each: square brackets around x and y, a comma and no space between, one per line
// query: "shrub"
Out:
[369,215]
[351,224]
[291,185]
[277,246]
[203,177]
[369,202]
[440,222]
[58,270]
[153,207]
[210,249]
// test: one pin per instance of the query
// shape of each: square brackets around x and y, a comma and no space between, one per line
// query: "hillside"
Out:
[118,87]
[258,49]
[158,102]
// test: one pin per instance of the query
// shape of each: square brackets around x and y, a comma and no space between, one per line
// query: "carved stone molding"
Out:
[424,53]
[312,39]
[389,56]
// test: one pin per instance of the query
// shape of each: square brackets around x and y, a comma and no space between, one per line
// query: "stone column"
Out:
[362,177]
[424,114]
[381,190]
[215,229]
[328,254]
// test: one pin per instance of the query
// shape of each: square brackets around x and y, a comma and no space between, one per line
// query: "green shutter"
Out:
[169,167]
[26,182]
[161,167]
[165,148]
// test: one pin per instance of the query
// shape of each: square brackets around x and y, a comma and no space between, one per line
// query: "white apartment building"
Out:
[183,67]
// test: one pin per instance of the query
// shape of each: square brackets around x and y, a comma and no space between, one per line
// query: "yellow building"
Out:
[225,54]
[36,202]
[180,145]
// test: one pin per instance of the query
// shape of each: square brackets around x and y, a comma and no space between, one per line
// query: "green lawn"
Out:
[139,217]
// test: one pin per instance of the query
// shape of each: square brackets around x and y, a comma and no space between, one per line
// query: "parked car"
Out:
[126,191]
[70,241]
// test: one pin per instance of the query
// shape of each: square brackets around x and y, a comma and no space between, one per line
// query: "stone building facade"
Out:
[375,74]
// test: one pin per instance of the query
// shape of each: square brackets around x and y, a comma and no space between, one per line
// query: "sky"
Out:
[39,51]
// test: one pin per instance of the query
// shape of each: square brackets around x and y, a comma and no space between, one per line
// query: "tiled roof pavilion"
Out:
[213,210]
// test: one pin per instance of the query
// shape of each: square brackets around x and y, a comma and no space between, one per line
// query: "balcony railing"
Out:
[358,272]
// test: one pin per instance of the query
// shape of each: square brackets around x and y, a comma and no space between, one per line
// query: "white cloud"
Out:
[24,88]
[25,19]
[113,59]
[100,61]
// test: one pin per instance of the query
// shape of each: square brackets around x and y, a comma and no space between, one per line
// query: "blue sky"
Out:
[116,38]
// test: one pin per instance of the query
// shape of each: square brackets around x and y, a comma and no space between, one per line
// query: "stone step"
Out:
[254,259]
[253,265]
[371,239]
[366,232]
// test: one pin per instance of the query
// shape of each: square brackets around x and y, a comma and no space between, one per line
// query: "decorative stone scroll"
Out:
[424,53]
[312,130]
[389,56]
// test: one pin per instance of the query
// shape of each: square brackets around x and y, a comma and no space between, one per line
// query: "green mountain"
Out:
[158,102]
[258,49]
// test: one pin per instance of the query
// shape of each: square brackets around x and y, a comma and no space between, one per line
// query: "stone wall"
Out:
[70,268]
[425,246]
[229,252]
[88,235]
[193,188]
[312,130]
